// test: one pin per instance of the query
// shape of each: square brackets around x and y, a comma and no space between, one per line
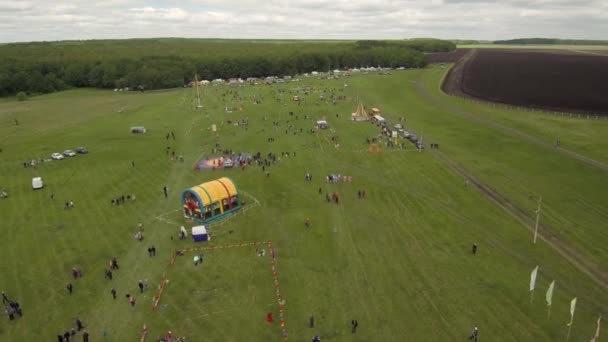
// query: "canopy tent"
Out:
[199,233]
[322,124]
[210,201]
[360,114]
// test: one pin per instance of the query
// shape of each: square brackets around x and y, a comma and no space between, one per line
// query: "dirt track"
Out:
[567,81]
[544,232]
[508,130]
[446,57]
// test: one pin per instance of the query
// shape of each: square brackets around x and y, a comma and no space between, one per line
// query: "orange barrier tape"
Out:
[275,277]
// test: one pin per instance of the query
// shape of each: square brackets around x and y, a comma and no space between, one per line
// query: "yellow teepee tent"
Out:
[360,114]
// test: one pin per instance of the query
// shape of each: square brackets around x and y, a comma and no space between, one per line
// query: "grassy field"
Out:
[536,47]
[398,261]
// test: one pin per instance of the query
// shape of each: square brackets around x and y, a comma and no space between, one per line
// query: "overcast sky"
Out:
[29,20]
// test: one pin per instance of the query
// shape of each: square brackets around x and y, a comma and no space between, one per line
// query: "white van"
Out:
[37,183]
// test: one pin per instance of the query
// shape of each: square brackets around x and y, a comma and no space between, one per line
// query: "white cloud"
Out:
[36,20]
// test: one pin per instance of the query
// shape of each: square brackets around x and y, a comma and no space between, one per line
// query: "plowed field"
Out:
[446,57]
[551,80]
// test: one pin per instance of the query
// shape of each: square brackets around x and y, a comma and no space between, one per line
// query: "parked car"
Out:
[69,153]
[37,183]
[57,156]
[81,150]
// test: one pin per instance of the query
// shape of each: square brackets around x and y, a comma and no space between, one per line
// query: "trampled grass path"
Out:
[508,130]
[576,259]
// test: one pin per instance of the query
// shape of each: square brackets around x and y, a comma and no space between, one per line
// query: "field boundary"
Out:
[574,258]
[278,293]
[452,84]
[506,129]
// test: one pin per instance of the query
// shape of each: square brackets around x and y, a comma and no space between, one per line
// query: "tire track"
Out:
[506,129]
[571,255]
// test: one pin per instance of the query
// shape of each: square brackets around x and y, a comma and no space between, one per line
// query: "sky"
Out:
[50,20]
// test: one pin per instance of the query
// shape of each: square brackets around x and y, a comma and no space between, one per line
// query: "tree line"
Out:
[550,41]
[37,68]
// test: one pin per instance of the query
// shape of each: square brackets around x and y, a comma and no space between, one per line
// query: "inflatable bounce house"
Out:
[211,201]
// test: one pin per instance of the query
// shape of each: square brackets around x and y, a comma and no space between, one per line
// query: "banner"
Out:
[597,331]
[533,278]
[572,308]
[549,295]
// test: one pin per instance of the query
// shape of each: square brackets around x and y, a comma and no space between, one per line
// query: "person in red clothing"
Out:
[269,318]
[168,336]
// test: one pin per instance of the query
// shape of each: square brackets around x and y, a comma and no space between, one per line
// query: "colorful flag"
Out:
[533,278]
[549,295]
[597,331]
[572,308]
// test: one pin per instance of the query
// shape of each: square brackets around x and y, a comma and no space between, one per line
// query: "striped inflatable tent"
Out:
[211,201]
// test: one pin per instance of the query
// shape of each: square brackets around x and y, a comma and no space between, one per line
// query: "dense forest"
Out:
[550,41]
[46,67]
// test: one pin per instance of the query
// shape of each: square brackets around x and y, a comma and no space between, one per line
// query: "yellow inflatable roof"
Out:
[215,190]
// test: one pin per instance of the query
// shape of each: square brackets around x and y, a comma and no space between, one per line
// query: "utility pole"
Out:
[198,95]
[540,202]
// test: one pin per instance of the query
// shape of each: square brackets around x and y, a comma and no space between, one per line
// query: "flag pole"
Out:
[540,202]
[572,308]
[531,296]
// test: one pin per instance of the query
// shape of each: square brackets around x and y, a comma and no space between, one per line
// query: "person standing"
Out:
[474,248]
[113,291]
[311,321]
[85,336]
[141,286]
[473,336]
[132,301]
[114,264]
[79,324]
[5,298]
[69,287]
[354,324]
[165,191]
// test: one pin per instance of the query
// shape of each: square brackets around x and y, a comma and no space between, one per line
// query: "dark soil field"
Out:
[446,57]
[550,80]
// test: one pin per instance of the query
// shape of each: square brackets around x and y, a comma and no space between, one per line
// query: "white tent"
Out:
[199,233]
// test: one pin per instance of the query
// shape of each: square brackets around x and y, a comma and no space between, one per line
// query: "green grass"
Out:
[399,261]
[536,47]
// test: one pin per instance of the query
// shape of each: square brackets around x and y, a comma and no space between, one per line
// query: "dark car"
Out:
[82,150]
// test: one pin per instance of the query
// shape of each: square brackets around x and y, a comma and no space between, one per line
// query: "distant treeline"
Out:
[550,41]
[465,41]
[46,67]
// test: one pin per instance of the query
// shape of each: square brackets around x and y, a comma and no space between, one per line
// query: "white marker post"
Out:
[540,202]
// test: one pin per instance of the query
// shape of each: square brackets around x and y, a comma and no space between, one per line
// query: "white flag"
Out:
[533,278]
[549,295]
[597,332]
[572,308]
